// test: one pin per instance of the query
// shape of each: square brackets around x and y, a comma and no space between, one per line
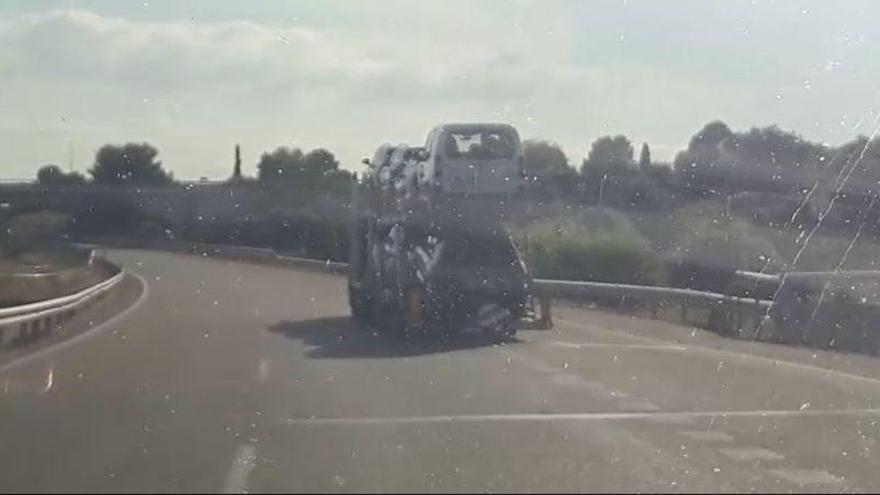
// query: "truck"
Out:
[430,250]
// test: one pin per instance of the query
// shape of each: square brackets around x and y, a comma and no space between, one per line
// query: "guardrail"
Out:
[28,321]
[23,288]
[263,255]
[745,311]
[727,314]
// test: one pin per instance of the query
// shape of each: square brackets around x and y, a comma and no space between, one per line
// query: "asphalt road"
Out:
[228,376]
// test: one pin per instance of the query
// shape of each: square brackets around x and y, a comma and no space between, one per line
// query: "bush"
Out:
[323,236]
[29,232]
[706,236]
[594,245]
[106,215]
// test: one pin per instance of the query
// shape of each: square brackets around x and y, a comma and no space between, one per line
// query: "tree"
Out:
[704,147]
[236,169]
[305,175]
[645,157]
[761,159]
[280,167]
[53,176]
[608,154]
[711,135]
[544,159]
[317,165]
[129,164]
[546,164]
[320,161]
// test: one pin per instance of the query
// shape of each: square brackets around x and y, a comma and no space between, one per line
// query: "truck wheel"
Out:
[360,307]
[501,333]
[391,320]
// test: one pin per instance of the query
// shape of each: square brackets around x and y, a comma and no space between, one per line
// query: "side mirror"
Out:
[366,161]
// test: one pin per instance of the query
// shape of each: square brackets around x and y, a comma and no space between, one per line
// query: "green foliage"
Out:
[645,157]
[53,176]
[709,237]
[767,158]
[129,164]
[544,159]
[299,178]
[280,166]
[320,230]
[595,246]
[546,165]
[607,154]
[35,231]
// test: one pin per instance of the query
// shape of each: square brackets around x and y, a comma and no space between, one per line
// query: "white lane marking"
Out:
[50,380]
[707,435]
[243,463]
[92,332]
[602,345]
[671,420]
[640,405]
[776,363]
[475,418]
[751,454]
[803,477]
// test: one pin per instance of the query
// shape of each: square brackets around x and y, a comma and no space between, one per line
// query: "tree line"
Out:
[717,161]
[137,164]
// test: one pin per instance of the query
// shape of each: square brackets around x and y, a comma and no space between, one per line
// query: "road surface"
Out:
[229,376]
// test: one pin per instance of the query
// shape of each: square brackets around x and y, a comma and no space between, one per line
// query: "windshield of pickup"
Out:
[479,145]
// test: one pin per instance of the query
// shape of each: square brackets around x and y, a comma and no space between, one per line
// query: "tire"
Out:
[502,331]
[360,307]
[391,321]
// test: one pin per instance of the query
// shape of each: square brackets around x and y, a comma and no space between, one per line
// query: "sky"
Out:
[196,77]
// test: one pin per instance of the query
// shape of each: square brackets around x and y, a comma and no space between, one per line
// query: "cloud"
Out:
[180,56]
[106,73]
[349,75]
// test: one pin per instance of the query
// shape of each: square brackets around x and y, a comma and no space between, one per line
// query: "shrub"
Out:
[706,236]
[36,231]
[594,245]
[107,215]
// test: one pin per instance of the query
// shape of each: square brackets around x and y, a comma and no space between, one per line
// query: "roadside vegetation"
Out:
[730,200]
[37,242]
[598,245]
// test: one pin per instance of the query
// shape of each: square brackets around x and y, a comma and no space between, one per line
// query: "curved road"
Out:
[228,376]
